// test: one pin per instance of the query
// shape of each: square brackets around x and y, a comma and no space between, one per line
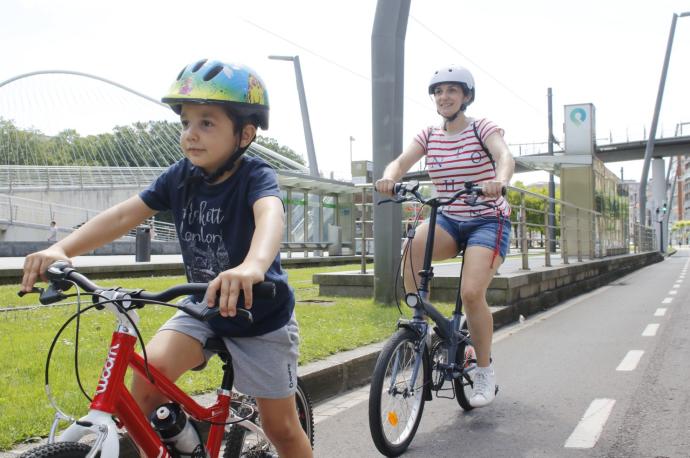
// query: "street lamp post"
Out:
[649,150]
[351,140]
[313,166]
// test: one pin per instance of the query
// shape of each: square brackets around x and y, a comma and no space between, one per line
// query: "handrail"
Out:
[606,235]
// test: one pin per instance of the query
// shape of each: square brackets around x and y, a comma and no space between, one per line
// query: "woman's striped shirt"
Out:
[451,160]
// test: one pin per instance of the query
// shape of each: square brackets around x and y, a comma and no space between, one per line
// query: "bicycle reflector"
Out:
[412,300]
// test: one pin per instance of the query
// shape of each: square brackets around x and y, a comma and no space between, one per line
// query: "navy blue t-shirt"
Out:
[215,230]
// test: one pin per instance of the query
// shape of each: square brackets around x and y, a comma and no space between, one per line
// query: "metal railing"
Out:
[576,232]
[67,177]
[20,210]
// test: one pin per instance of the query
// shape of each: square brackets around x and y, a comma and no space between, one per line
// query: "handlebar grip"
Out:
[397,187]
[264,290]
[479,192]
[212,312]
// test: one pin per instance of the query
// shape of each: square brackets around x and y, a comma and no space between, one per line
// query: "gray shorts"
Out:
[265,366]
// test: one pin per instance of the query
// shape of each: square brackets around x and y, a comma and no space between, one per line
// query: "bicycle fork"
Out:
[422,329]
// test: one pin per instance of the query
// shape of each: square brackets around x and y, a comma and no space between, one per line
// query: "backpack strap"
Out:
[481,143]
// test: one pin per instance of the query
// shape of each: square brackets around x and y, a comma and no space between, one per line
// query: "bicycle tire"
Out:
[241,443]
[59,450]
[398,350]
[463,385]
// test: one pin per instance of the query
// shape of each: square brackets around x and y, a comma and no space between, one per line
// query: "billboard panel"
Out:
[579,129]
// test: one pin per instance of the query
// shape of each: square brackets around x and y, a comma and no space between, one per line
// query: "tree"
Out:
[272,144]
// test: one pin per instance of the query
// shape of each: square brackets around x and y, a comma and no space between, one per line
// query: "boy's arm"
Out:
[105,227]
[269,217]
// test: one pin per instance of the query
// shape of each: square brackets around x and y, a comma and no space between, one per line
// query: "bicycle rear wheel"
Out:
[58,450]
[396,402]
[242,443]
[466,358]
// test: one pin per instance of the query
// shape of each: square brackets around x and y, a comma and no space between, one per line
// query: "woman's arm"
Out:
[505,164]
[398,167]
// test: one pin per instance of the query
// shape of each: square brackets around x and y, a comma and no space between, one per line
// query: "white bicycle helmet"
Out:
[454,74]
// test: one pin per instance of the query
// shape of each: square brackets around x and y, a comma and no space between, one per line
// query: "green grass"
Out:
[327,327]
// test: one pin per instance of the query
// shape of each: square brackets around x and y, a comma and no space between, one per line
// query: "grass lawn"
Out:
[327,326]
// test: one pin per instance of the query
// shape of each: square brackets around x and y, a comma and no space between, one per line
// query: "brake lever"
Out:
[34,290]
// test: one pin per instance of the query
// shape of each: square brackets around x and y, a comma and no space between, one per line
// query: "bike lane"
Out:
[552,369]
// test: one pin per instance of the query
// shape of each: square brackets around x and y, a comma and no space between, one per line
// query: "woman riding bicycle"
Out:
[462,149]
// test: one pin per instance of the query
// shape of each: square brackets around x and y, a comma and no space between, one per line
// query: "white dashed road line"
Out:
[630,361]
[667,300]
[591,425]
[661,311]
[650,330]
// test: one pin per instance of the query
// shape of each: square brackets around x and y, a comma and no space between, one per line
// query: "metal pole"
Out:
[552,184]
[523,231]
[649,150]
[387,77]
[547,233]
[363,217]
[309,140]
[313,166]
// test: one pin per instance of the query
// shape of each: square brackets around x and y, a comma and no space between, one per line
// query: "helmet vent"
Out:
[213,72]
[198,65]
[181,72]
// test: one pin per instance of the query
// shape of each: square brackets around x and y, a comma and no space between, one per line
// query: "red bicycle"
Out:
[234,424]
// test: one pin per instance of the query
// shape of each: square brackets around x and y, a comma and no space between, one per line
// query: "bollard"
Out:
[143,244]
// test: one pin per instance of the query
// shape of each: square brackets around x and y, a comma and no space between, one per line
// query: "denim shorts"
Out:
[479,231]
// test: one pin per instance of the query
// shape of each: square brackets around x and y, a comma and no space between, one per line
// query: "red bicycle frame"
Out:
[113,397]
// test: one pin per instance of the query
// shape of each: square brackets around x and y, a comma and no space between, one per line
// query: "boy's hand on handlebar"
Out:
[37,263]
[385,186]
[493,189]
[230,283]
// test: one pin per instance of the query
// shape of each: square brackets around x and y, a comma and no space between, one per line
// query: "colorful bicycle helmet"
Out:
[212,81]
[454,74]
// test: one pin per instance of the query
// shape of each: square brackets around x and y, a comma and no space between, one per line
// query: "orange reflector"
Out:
[393,418]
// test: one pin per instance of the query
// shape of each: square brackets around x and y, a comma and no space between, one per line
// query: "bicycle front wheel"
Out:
[58,450]
[242,443]
[396,398]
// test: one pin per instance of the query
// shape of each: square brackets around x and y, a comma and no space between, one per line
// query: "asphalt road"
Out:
[606,374]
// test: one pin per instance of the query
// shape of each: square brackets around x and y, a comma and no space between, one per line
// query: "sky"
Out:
[608,53]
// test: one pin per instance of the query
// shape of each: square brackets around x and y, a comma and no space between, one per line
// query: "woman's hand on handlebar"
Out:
[492,189]
[385,186]
[229,284]
[37,263]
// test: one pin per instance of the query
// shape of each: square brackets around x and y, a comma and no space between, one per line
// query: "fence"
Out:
[563,229]
[20,210]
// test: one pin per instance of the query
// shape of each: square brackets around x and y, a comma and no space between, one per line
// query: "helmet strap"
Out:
[451,118]
[229,164]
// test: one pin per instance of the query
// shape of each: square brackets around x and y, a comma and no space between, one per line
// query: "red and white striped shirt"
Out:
[451,160]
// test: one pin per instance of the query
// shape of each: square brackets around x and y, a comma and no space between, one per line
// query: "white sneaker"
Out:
[484,389]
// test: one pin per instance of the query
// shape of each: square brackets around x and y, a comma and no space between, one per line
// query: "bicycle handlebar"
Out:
[61,275]
[412,187]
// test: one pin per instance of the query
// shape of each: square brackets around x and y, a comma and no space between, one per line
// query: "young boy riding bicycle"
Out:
[228,214]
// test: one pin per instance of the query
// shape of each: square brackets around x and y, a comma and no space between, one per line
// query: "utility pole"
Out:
[308,138]
[387,81]
[552,184]
[649,150]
